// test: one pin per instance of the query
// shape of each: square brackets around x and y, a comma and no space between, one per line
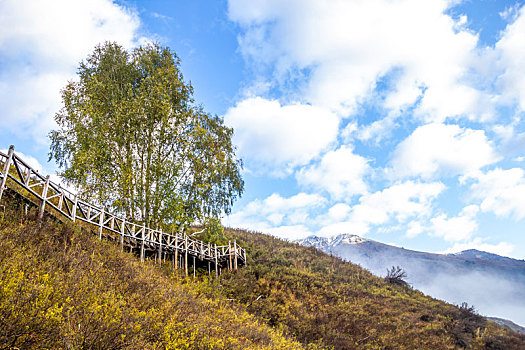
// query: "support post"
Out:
[5,171]
[122,231]
[216,263]
[194,266]
[142,244]
[235,252]
[44,195]
[28,176]
[176,252]
[74,211]
[160,247]
[101,223]
[186,254]
[60,199]
[230,255]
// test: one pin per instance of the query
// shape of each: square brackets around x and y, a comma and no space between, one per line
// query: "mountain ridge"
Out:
[314,240]
[493,283]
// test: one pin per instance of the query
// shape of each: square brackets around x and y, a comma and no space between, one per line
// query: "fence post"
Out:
[122,231]
[142,245]
[101,223]
[235,252]
[160,247]
[28,176]
[216,263]
[176,252]
[5,172]
[230,255]
[186,254]
[61,198]
[44,195]
[75,203]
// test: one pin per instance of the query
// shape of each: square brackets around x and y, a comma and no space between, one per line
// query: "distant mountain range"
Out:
[508,324]
[494,284]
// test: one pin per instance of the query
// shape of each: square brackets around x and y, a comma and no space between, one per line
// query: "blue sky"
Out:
[401,121]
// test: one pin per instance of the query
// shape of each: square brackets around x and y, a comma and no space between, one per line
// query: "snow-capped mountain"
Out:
[327,243]
[494,284]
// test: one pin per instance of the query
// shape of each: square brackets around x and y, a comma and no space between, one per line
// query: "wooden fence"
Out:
[146,242]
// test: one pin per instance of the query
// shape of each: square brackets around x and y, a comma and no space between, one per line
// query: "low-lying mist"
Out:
[493,292]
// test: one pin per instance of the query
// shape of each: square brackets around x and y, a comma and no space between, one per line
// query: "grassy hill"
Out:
[60,287]
[322,300]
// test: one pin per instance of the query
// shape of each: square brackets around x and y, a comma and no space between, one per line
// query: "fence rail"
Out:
[144,240]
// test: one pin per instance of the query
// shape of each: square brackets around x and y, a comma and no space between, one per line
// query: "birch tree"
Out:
[131,136]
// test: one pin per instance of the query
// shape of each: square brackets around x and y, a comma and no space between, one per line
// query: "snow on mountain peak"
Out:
[323,242]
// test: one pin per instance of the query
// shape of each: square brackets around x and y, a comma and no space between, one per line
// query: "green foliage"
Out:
[212,231]
[62,288]
[130,136]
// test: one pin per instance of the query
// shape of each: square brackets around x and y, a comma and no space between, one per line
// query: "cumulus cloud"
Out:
[399,202]
[340,49]
[298,216]
[395,205]
[352,227]
[280,137]
[442,150]
[376,66]
[510,51]
[457,228]
[340,173]
[284,217]
[41,43]
[501,192]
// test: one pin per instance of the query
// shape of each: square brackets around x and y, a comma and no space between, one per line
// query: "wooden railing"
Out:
[145,241]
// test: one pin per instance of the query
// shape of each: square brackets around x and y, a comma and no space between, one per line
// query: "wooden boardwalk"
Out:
[182,250]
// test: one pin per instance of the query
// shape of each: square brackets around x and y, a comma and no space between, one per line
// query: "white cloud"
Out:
[510,13]
[414,228]
[41,43]
[393,205]
[339,49]
[510,50]
[37,166]
[336,228]
[340,173]
[399,202]
[441,149]
[29,160]
[276,136]
[284,217]
[457,228]
[338,212]
[501,192]
[291,232]
[502,248]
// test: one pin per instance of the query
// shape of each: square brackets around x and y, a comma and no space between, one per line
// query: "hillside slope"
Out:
[62,288]
[320,299]
[494,284]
